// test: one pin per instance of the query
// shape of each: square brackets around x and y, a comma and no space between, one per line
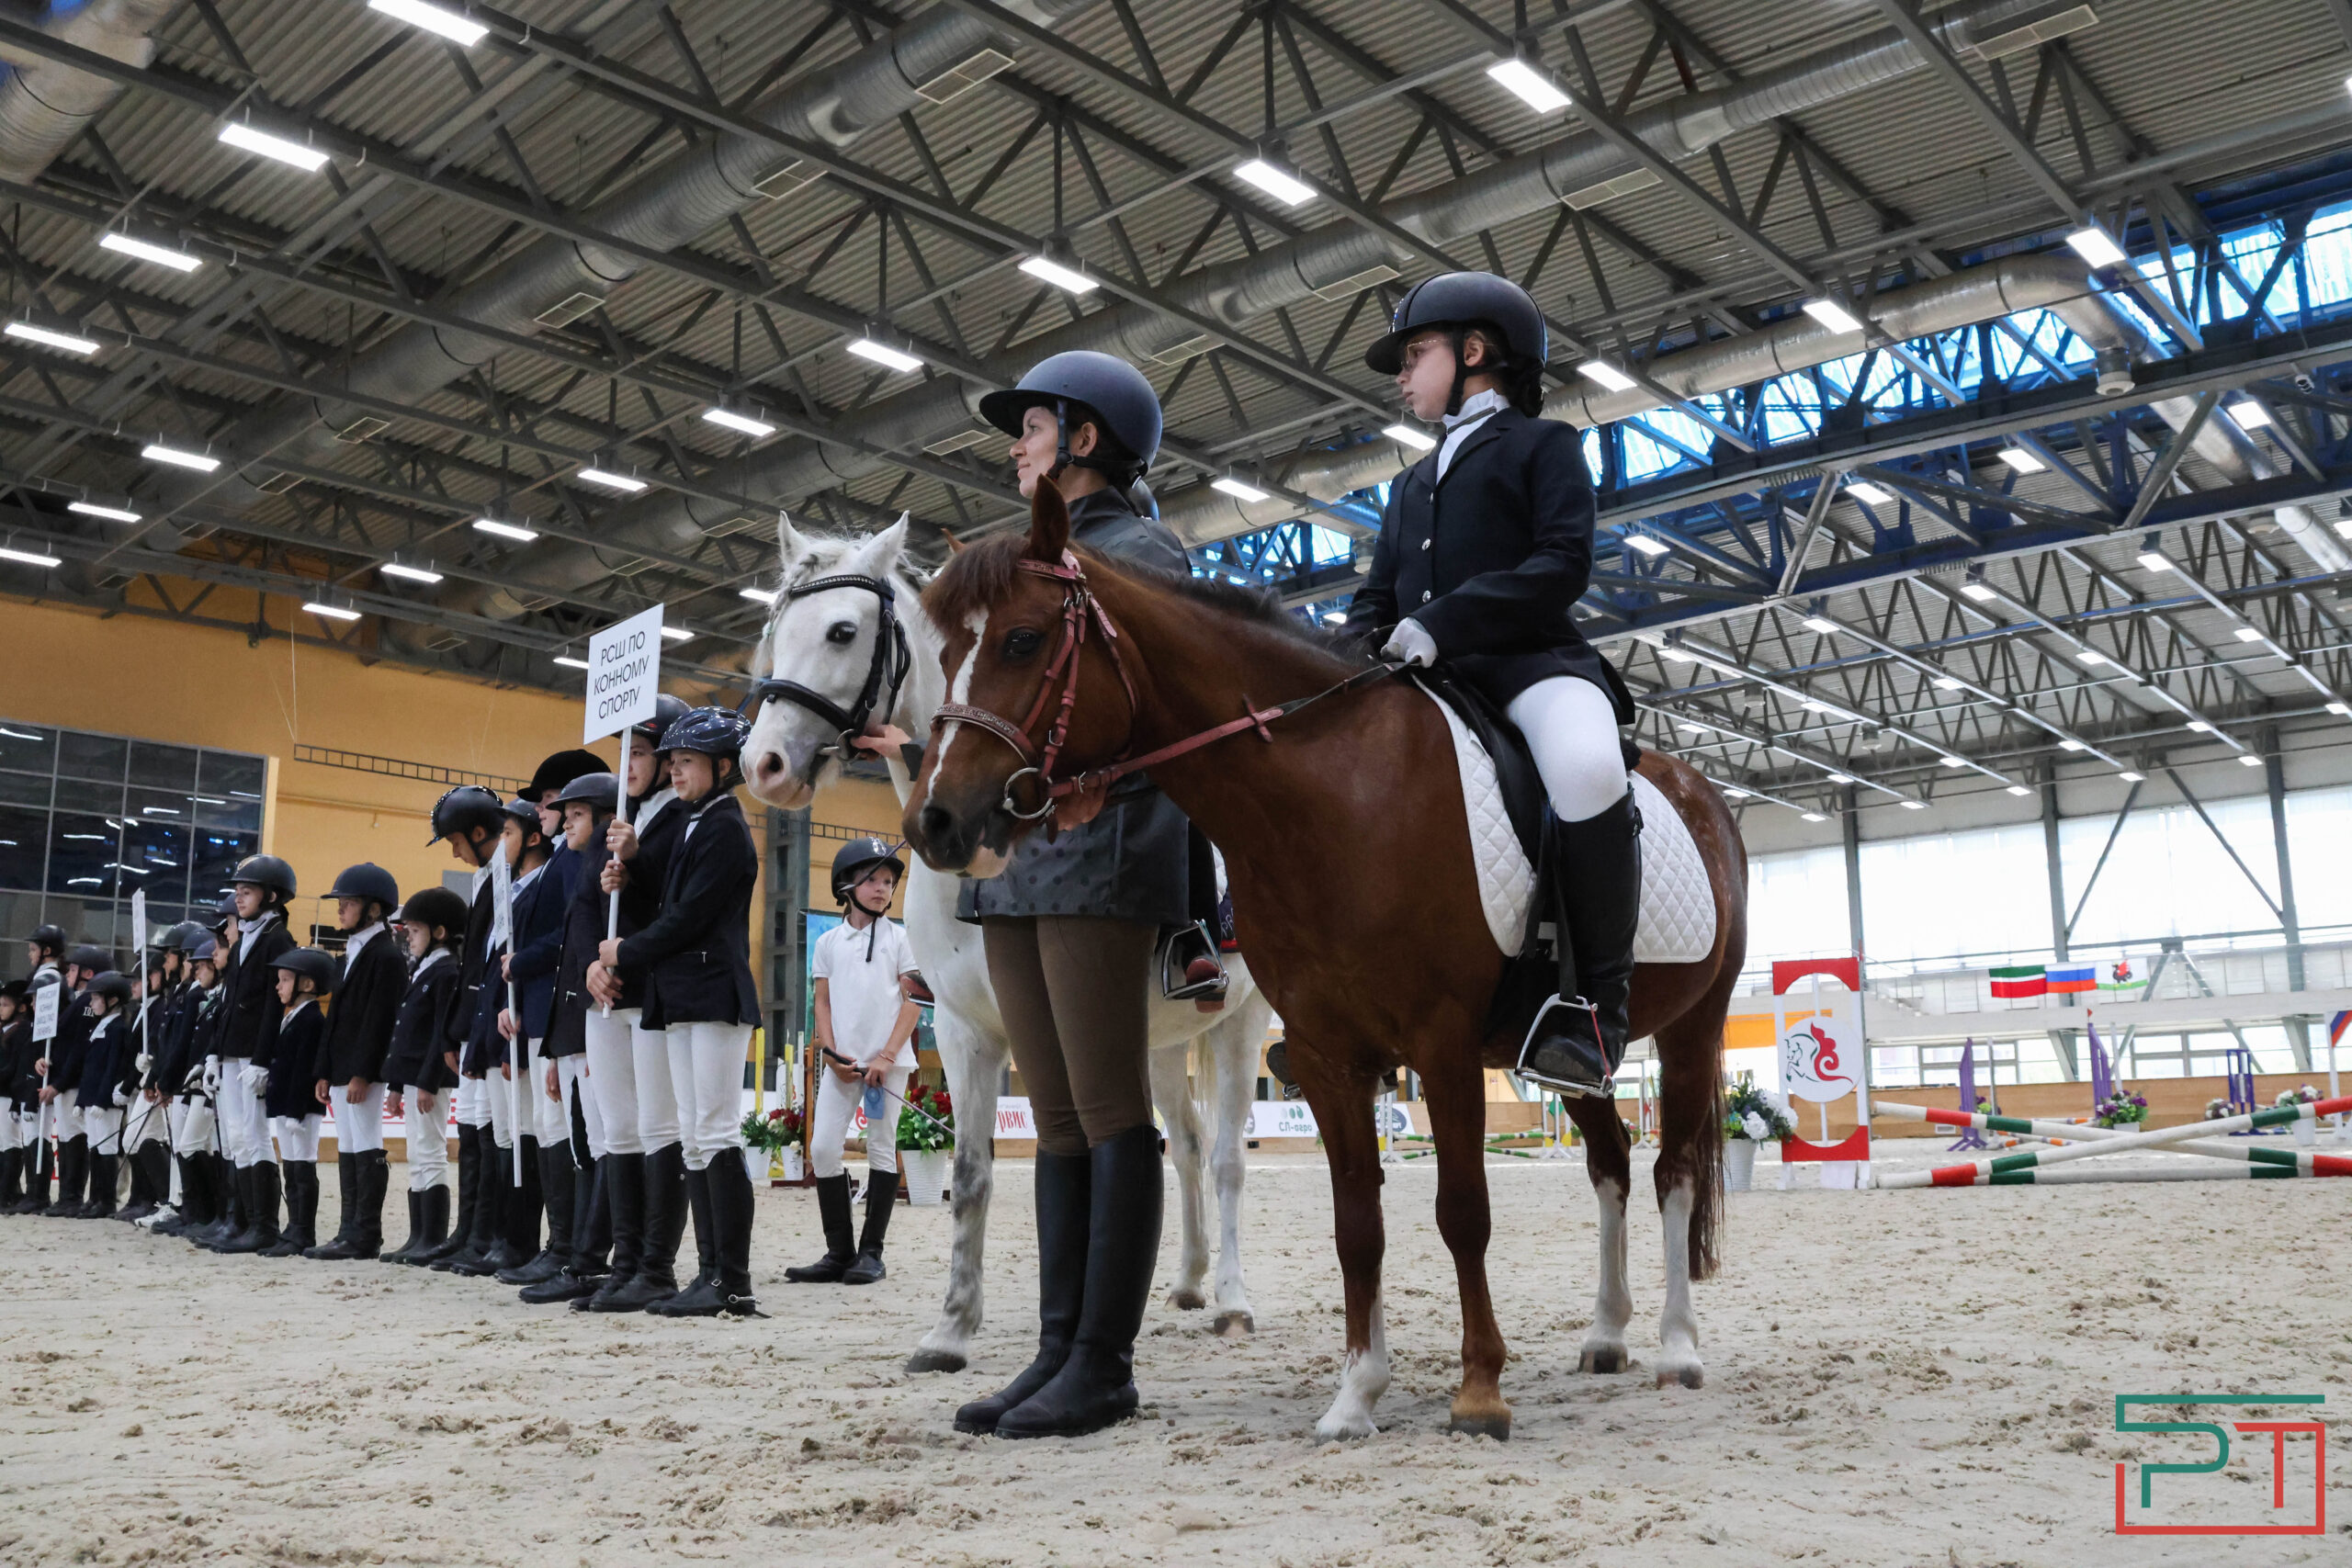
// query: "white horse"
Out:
[826,642]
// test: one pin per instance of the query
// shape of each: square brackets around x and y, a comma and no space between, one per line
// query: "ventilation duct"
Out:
[45,104]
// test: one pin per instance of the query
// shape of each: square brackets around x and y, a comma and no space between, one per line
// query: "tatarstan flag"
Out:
[2020,980]
[2074,978]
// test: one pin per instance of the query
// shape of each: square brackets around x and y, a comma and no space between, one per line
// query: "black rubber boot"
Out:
[557,1182]
[362,1176]
[73,1170]
[656,1278]
[415,1231]
[580,1274]
[12,1171]
[1095,1387]
[302,1188]
[622,1179]
[142,1202]
[487,1233]
[1577,1042]
[730,1216]
[469,1198]
[841,1245]
[1063,1184]
[261,1232]
[346,1203]
[700,1298]
[881,1197]
[35,1179]
[103,1176]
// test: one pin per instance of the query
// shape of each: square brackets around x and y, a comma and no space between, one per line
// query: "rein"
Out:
[886,670]
[1080,608]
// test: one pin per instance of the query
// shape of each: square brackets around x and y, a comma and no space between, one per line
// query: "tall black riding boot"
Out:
[363,1176]
[519,1245]
[1096,1385]
[558,1178]
[12,1173]
[1577,1042]
[881,1197]
[700,1298]
[624,1182]
[302,1188]
[730,1216]
[346,1201]
[73,1170]
[35,1177]
[487,1233]
[592,1223]
[261,1233]
[415,1230]
[583,1248]
[150,1170]
[840,1243]
[1064,1182]
[469,1197]
[232,1193]
[104,1175]
[656,1279]
[428,1228]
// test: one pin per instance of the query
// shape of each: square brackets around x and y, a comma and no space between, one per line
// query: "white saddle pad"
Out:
[1677,923]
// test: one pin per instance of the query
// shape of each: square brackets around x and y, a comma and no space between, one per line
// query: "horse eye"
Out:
[843,632]
[1021,642]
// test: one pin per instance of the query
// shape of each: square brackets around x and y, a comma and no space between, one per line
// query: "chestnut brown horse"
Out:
[1347,844]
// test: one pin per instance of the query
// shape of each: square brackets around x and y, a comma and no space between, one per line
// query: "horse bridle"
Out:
[1080,608]
[886,674]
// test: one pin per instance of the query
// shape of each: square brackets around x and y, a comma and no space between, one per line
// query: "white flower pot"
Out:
[2306,1132]
[928,1172]
[1739,1164]
[790,1159]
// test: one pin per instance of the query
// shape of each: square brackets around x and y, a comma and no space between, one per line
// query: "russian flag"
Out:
[2074,978]
[2335,1028]
[2019,980]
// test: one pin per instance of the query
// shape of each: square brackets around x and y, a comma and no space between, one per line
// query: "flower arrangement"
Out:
[934,1130]
[2217,1109]
[1748,1113]
[778,1130]
[2122,1110]
[2305,1095]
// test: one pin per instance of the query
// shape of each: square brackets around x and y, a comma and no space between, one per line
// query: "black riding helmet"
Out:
[461,810]
[598,790]
[203,950]
[176,939]
[90,960]
[1084,385]
[50,940]
[367,881]
[268,873]
[434,906]
[667,711]
[859,856]
[717,733]
[524,810]
[112,985]
[312,964]
[1458,301]
[222,913]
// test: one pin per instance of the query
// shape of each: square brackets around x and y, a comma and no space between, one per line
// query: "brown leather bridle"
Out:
[1079,609]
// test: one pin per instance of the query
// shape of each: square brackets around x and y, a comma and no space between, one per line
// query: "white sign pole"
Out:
[624,683]
[138,930]
[501,933]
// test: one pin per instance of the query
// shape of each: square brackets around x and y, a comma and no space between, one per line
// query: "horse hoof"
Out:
[1495,1427]
[1185,1298]
[1601,1360]
[1234,1325]
[1342,1430]
[936,1361]
[1689,1377]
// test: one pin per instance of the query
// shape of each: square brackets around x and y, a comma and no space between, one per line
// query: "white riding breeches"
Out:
[148,1123]
[613,1085]
[657,1095]
[424,1118]
[575,1084]
[244,1123]
[1571,729]
[706,1075]
[298,1136]
[837,1102]
[550,1114]
[473,1103]
[358,1124]
[498,1094]
[193,1131]
[102,1124]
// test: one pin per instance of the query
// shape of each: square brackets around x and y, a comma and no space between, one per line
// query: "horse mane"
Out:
[980,575]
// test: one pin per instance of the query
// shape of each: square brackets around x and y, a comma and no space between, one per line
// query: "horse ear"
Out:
[890,548]
[956,546]
[1048,522]
[790,543]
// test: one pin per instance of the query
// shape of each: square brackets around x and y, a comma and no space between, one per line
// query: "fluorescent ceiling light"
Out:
[2070,744]
[1275,181]
[239,134]
[1406,435]
[2128,776]
[1608,374]
[27,557]
[64,342]
[1334,617]
[1069,280]
[733,421]
[628,484]
[160,810]
[1948,760]
[332,612]
[765,595]
[1915,806]
[1734,792]
[1832,315]
[2097,247]
[1823,625]
[1946,684]
[2200,727]
[1977,592]
[677,634]
[162,256]
[1227,484]
[2341,710]
[2249,762]
[433,19]
[1814,817]
[1529,85]
[2020,789]
[157,452]
[2248,633]
[1812,706]
[504,530]
[1676,655]
[1648,545]
[2249,414]
[111,514]
[1842,778]
[882,354]
[412,573]
[2092,656]
[2153,561]
[1877,495]
[571,663]
[2023,461]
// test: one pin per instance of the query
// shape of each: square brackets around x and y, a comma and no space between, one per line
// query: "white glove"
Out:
[211,1075]
[122,1096]
[1410,643]
[257,1081]
[144,1063]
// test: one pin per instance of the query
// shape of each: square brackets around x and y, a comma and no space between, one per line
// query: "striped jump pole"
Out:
[2009,1170]
[2090,1174]
[2303,1161]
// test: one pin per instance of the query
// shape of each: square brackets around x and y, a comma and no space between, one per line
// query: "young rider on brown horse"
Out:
[1071,927]
[1487,544]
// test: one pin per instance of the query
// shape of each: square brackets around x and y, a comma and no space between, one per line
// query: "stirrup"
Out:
[1185,949]
[1571,1077]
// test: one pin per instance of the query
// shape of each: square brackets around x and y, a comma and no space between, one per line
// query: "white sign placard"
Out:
[502,899]
[1013,1118]
[139,924]
[45,1011]
[1281,1118]
[624,675]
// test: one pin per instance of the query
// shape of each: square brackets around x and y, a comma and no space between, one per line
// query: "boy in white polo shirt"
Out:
[865,1023]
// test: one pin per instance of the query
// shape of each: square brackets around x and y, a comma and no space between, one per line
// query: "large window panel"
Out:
[1980,896]
[24,841]
[83,852]
[1796,904]
[2319,843]
[27,748]
[2167,876]
[98,758]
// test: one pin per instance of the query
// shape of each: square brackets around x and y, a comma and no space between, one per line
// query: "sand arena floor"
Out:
[1893,1378]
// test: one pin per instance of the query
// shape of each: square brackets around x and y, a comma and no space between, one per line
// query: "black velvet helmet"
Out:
[90,960]
[434,906]
[268,873]
[599,790]
[562,769]
[112,985]
[49,939]
[367,880]
[667,711]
